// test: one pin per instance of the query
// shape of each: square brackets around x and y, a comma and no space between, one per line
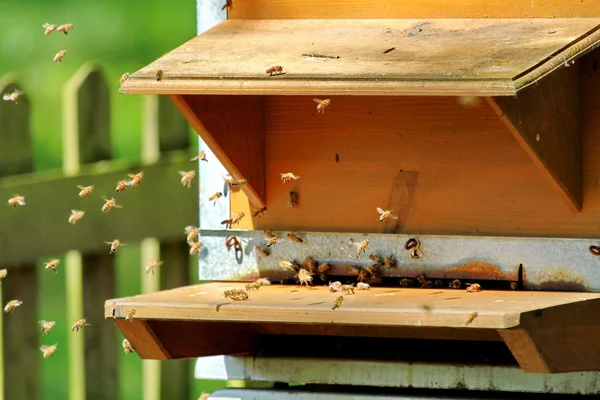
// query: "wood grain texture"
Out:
[498,57]
[314,9]
[142,339]
[525,350]
[545,119]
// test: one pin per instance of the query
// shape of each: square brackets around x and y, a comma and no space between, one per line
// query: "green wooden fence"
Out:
[90,364]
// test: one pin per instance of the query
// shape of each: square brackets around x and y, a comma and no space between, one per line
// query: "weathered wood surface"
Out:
[498,57]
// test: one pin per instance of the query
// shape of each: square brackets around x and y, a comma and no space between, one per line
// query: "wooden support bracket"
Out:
[545,118]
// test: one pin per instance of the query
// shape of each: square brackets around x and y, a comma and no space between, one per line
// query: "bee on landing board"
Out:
[159,74]
[16,201]
[288,177]
[59,56]
[262,251]
[14,96]
[114,245]
[274,70]
[85,191]
[130,315]
[338,302]
[361,247]
[389,262]
[46,326]
[52,264]
[49,28]
[187,177]
[348,289]
[79,325]
[385,214]
[236,294]
[75,216]
[11,305]
[136,179]
[322,105]
[473,287]
[201,156]
[153,264]
[472,316]
[376,260]
[311,265]
[195,248]
[304,277]
[289,266]
[257,284]
[3,273]
[294,238]
[124,77]
[363,286]
[48,351]
[127,347]
[335,286]
[109,204]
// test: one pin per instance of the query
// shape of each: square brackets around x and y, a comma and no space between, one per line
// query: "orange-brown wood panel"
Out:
[315,9]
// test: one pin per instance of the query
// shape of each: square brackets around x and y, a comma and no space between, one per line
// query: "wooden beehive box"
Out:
[476,126]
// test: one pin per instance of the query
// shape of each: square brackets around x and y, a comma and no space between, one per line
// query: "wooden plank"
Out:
[20,338]
[314,9]
[507,54]
[142,339]
[546,121]
[525,350]
[220,122]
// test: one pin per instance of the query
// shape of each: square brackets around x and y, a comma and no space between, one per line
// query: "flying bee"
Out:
[385,214]
[49,28]
[456,284]
[85,191]
[375,259]
[3,273]
[130,315]
[201,156]
[11,305]
[136,179]
[159,74]
[109,204]
[274,70]
[14,96]
[473,287]
[75,216]
[389,262]
[289,266]
[187,177]
[259,213]
[304,277]
[16,201]
[214,197]
[361,247]
[335,286]
[288,176]
[52,264]
[311,265]
[59,56]
[127,347]
[322,105]
[348,289]
[262,251]
[195,248]
[114,245]
[472,316]
[124,77]
[293,199]
[65,28]
[236,184]
[235,219]
[48,351]
[362,286]
[338,302]
[152,265]
[192,233]
[294,238]
[233,241]
[79,325]
[121,186]
[46,326]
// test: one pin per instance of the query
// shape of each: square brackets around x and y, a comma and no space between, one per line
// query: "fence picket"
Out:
[20,334]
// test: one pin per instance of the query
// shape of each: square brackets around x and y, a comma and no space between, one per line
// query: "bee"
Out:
[59,56]
[513,285]
[49,28]
[204,395]
[109,204]
[233,241]
[201,156]
[252,286]
[214,197]
[294,238]
[456,284]
[130,315]
[124,77]
[323,268]
[389,262]
[288,265]
[422,278]
[293,199]
[262,251]
[195,248]
[274,70]
[259,213]
[262,282]
[3,273]
[235,219]
[159,74]
[385,214]
[236,294]
[16,201]
[272,239]
[187,177]
[152,265]
[335,286]
[48,351]
[114,245]
[14,96]
[192,233]
[338,302]
[127,348]
[406,282]
[375,259]
[363,275]
[304,277]
[75,216]
[348,289]
[46,326]
[65,28]
[121,186]
[472,316]
[361,247]
[11,305]
[52,264]
[372,269]
[473,287]
[427,285]
[362,286]
[136,179]
[311,265]
[322,105]
[288,176]
[79,325]
[234,184]
[85,191]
